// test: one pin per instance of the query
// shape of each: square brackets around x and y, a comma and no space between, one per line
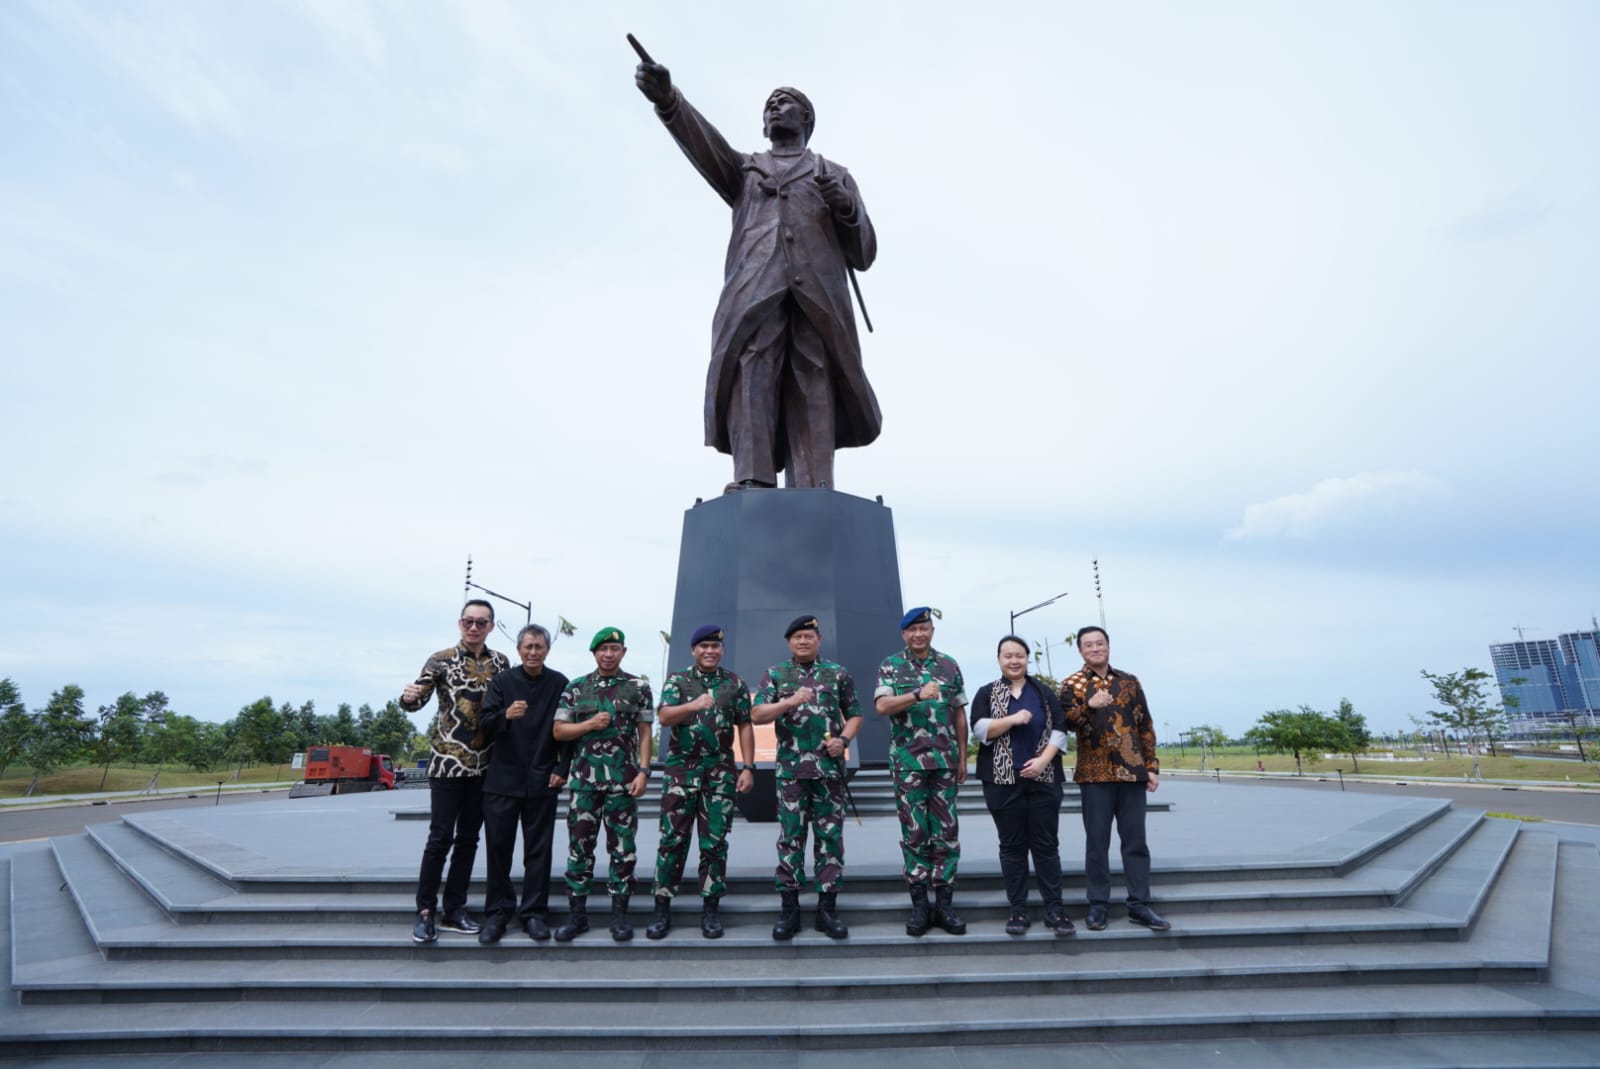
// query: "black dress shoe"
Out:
[494,926]
[536,928]
[1148,917]
[1059,923]
[459,921]
[1096,921]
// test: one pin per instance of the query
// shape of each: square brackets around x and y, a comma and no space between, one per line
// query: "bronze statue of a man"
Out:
[786,386]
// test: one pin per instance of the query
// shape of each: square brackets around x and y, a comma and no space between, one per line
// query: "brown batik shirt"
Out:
[460,677]
[1116,743]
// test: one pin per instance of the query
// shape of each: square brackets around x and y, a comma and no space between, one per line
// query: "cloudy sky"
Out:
[1278,310]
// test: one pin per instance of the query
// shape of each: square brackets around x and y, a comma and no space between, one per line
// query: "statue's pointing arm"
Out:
[717,161]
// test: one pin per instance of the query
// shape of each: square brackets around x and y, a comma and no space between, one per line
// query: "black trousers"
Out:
[1027,815]
[501,816]
[455,807]
[1124,803]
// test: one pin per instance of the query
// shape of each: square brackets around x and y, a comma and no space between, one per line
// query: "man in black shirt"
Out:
[527,769]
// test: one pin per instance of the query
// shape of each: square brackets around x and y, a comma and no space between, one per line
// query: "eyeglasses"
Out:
[472,622]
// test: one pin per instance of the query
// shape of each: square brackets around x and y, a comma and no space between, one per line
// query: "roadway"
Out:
[42,822]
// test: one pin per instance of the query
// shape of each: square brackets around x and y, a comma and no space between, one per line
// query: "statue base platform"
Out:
[752,561]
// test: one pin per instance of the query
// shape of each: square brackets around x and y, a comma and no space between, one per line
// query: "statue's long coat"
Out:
[785,242]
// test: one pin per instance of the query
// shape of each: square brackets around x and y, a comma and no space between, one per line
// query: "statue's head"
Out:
[788,109]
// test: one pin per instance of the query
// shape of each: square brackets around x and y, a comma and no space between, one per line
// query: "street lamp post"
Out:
[1023,612]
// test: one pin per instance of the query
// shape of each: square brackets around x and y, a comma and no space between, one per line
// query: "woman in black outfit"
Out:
[1019,728]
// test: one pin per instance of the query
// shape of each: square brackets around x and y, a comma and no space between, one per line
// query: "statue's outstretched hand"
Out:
[655,82]
[833,193]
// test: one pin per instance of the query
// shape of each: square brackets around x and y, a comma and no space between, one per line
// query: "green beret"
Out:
[604,635]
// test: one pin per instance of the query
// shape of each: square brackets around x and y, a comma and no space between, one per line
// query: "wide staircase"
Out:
[1421,935]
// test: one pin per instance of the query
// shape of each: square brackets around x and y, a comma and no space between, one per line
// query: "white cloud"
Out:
[1332,501]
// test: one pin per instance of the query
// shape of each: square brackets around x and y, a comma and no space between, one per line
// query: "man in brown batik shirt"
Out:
[1117,766]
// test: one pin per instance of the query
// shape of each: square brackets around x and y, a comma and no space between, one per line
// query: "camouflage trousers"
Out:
[930,830]
[821,803]
[591,805]
[703,803]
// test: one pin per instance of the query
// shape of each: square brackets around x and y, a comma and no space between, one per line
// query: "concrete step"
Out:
[1325,858]
[1510,945]
[879,991]
[192,895]
[127,925]
[422,1022]
[1525,1048]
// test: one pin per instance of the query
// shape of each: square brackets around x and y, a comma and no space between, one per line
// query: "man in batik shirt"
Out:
[1117,766]
[457,758]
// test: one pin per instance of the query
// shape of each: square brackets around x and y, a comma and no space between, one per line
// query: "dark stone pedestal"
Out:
[755,560]
[760,806]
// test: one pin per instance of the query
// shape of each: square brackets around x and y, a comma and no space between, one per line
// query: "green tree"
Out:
[364,720]
[1353,734]
[307,727]
[201,744]
[155,738]
[339,729]
[257,734]
[1303,733]
[61,733]
[1466,708]
[15,724]
[392,732]
[117,733]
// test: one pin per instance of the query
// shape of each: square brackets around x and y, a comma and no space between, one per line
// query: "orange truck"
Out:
[349,769]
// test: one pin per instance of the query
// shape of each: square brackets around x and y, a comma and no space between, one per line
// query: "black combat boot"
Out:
[661,921]
[621,930]
[828,922]
[710,922]
[789,918]
[946,917]
[577,919]
[919,921]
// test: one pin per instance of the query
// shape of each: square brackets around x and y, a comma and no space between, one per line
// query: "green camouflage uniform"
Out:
[923,758]
[699,778]
[810,783]
[603,764]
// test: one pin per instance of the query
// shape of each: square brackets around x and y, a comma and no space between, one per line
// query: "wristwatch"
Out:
[747,767]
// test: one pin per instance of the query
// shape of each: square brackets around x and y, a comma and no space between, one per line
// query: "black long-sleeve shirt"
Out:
[525,751]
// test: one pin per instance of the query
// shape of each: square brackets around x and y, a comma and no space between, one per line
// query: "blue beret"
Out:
[708,633]
[920,615]
[802,623]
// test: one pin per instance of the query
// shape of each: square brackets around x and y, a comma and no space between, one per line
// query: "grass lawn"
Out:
[1243,759]
[85,779]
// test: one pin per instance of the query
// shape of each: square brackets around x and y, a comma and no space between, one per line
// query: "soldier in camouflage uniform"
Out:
[601,714]
[813,704]
[703,707]
[921,692]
